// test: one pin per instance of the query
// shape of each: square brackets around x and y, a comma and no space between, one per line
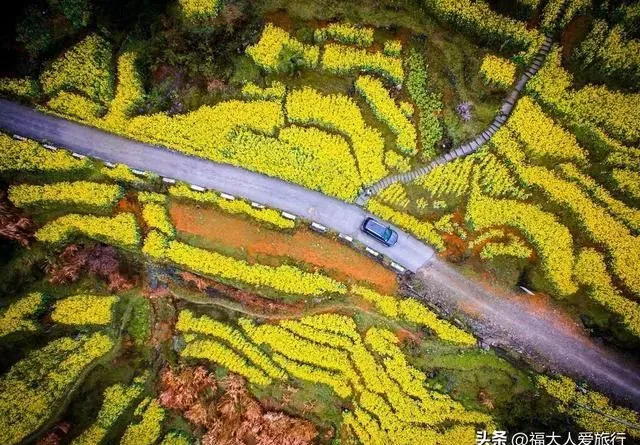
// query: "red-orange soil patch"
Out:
[127,204]
[337,259]
[405,335]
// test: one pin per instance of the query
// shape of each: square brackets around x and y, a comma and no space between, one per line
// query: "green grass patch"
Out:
[465,374]
[139,324]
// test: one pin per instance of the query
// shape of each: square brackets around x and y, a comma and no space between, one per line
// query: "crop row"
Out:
[129,90]
[120,230]
[341,59]
[215,351]
[199,9]
[628,215]
[340,113]
[428,101]
[30,157]
[287,279]
[122,174]
[392,48]
[19,315]
[148,427]
[386,110]
[81,310]
[515,248]
[32,389]
[76,106]
[116,400]
[498,71]
[276,91]
[627,181]
[84,195]
[396,161]
[591,271]
[273,41]
[551,14]
[345,33]
[156,217]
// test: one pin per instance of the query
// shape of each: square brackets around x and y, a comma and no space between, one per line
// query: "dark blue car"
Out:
[382,233]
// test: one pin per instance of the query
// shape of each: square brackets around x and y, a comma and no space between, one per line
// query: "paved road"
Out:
[575,355]
[330,212]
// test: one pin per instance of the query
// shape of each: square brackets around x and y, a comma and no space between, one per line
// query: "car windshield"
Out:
[387,234]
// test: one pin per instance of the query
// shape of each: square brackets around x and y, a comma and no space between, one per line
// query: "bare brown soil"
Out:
[303,245]
[573,34]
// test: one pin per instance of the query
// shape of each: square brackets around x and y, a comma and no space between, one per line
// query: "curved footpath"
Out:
[577,356]
[471,146]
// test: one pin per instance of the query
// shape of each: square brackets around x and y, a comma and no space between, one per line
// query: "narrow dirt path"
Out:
[506,322]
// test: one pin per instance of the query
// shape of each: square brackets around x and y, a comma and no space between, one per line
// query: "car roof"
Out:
[375,226]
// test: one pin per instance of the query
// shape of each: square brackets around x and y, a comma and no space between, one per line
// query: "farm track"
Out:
[502,321]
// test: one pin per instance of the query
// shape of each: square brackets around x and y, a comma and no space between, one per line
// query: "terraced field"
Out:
[140,309]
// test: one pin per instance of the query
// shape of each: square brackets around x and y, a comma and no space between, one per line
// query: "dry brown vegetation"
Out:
[227,412]
[100,261]
[14,226]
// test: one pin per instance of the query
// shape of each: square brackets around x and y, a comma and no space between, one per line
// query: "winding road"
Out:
[507,321]
[337,215]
